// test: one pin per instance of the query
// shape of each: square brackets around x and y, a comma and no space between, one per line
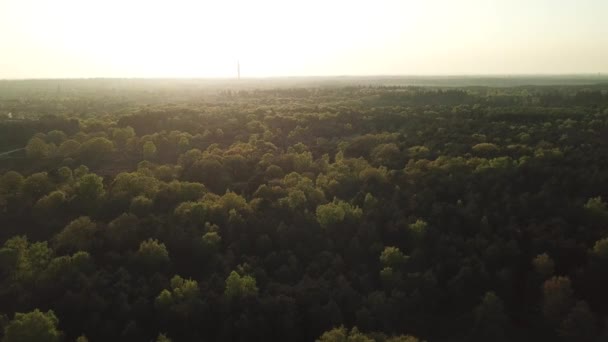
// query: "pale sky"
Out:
[203,38]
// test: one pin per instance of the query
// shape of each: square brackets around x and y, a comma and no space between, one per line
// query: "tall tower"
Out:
[238,69]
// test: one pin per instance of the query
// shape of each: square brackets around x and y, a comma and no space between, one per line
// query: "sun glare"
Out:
[187,38]
[190,38]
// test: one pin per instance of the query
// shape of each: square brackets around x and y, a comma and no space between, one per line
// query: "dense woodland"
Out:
[162,212]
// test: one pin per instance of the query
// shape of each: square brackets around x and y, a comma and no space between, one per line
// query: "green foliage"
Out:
[387,155]
[314,196]
[81,171]
[50,204]
[211,241]
[389,277]
[78,235]
[24,261]
[89,191]
[122,135]
[89,188]
[64,270]
[557,299]
[37,148]
[231,201]
[96,149]
[418,152]
[600,248]
[238,286]
[141,206]
[35,326]
[162,338]
[335,212]
[153,255]
[68,148]
[36,185]
[122,231]
[597,206]
[181,299]
[418,228]
[149,150]
[392,257]
[65,175]
[485,149]
[11,183]
[56,137]
[330,214]
[490,319]
[130,185]
[342,334]
[544,265]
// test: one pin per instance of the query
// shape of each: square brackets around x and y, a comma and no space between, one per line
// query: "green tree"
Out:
[25,261]
[11,183]
[596,204]
[393,257]
[122,135]
[418,228]
[485,149]
[387,155]
[35,326]
[418,152]
[335,212]
[81,171]
[153,255]
[64,175]
[211,242]
[238,286]
[600,248]
[163,338]
[490,319]
[36,185]
[89,193]
[48,206]
[342,334]
[597,209]
[96,149]
[37,148]
[141,206]
[56,137]
[557,299]
[122,231]
[89,188]
[78,235]
[182,299]
[544,265]
[68,148]
[329,214]
[149,150]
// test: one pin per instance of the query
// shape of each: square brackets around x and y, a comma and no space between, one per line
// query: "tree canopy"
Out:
[191,210]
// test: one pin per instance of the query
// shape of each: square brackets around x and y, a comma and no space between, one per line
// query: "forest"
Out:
[317,211]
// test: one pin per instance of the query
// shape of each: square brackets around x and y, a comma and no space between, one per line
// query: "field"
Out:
[295,209]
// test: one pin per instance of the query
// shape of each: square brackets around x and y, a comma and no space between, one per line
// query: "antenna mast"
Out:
[238,69]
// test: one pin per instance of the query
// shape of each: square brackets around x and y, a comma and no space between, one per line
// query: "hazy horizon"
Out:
[352,76]
[271,38]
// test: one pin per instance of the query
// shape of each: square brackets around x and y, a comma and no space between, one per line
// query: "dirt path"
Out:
[9,152]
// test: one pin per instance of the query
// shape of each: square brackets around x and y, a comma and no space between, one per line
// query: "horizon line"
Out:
[232,78]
